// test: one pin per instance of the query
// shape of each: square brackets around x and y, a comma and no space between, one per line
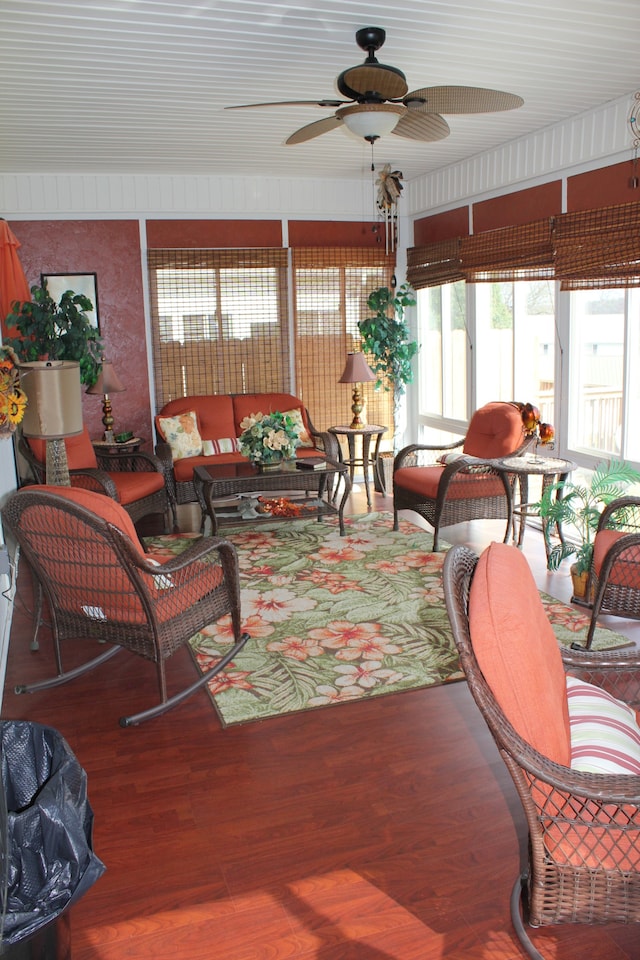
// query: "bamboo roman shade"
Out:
[219,321]
[598,248]
[523,252]
[330,290]
[434,264]
[589,249]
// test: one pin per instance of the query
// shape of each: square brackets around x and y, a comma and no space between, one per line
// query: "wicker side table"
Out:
[365,433]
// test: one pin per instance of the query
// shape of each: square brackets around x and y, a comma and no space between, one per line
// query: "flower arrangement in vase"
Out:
[13,401]
[268,438]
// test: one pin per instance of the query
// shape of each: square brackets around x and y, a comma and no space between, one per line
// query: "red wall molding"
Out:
[213,234]
[514,209]
[441,226]
[315,233]
[603,188]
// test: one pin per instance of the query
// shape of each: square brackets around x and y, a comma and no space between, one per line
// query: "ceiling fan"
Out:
[378,102]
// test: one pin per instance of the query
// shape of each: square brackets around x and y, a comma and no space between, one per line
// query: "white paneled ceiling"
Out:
[140,86]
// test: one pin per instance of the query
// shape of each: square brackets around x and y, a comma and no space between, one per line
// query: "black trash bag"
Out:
[51,863]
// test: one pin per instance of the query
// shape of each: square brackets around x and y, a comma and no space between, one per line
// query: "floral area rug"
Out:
[336,619]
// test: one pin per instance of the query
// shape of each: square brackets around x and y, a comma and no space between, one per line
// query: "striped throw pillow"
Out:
[212,448]
[605,737]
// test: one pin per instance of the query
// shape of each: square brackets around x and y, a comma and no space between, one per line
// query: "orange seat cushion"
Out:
[136,485]
[495,430]
[80,452]
[425,481]
[517,651]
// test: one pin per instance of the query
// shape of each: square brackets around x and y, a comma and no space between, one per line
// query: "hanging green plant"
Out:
[56,331]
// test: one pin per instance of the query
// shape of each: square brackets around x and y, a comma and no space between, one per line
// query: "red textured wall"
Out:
[522,206]
[212,234]
[603,188]
[314,233]
[110,249]
[441,226]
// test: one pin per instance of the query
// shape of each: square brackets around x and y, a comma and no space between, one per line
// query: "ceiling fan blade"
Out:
[388,83]
[414,125]
[314,130]
[292,103]
[461,100]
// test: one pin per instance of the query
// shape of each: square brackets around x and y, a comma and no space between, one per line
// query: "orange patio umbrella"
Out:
[13,283]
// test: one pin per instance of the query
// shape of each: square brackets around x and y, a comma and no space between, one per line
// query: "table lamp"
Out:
[108,382]
[357,371]
[54,410]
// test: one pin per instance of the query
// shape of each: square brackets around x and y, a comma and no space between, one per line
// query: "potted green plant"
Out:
[56,331]
[578,507]
[386,339]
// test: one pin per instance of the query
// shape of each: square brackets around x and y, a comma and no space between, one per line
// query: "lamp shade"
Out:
[54,398]
[356,370]
[108,380]
[371,121]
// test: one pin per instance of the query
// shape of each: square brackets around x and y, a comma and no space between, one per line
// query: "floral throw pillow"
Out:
[296,416]
[182,434]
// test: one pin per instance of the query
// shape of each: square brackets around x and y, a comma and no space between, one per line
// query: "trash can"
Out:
[47,856]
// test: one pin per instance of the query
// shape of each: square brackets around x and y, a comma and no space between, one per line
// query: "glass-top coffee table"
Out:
[229,480]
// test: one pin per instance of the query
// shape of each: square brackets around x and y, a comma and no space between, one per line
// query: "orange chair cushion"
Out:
[495,430]
[626,569]
[136,485]
[425,481]
[97,503]
[517,651]
[80,452]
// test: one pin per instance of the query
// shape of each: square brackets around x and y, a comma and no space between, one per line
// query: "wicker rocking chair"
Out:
[85,555]
[459,485]
[584,827]
[614,578]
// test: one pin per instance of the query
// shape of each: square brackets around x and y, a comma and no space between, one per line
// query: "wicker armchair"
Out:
[459,485]
[614,578]
[584,828]
[83,550]
[137,480]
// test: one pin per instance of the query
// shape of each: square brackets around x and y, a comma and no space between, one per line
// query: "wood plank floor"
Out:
[371,831]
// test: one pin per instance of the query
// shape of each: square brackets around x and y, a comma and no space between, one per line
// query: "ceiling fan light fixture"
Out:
[371,120]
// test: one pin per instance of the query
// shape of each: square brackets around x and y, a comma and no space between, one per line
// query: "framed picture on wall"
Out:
[84,283]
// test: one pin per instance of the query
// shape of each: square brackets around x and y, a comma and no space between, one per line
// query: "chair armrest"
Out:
[97,480]
[134,462]
[163,454]
[324,440]
[616,671]
[182,566]
[416,448]
[621,514]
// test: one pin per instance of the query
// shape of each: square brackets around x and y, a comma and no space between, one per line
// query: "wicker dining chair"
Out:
[583,828]
[453,483]
[102,588]
[614,577]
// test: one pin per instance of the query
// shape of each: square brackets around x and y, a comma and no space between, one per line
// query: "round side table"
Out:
[365,433]
[552,470]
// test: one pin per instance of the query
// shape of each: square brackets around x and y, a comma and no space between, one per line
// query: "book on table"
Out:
[310,463]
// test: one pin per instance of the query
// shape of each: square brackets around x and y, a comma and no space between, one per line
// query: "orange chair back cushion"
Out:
[80,452]
[495,430]
[214,413]
[517,651]
[625,572]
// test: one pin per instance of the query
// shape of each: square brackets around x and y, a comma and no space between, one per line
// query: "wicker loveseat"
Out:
[217,423]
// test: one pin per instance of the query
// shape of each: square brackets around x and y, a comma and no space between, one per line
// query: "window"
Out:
[597,373]
[442,335]
[515,343]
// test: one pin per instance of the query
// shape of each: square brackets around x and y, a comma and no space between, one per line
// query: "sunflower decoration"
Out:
[13,402]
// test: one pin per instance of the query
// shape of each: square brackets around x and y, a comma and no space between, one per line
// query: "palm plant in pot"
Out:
[56,331]
[578,507]
[386,339]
